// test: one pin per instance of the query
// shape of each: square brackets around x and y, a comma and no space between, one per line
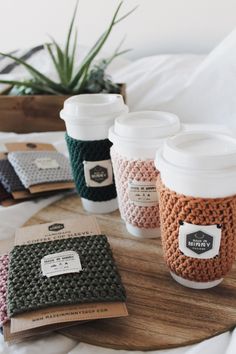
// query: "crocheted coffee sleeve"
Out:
[4,194]
[175,208]
[9,178]
[4,262]
[25,165]
[138,170]
[99,280]
[80,151]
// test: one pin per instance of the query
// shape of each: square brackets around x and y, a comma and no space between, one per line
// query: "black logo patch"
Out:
[199,242]
[98,174]
[56,227]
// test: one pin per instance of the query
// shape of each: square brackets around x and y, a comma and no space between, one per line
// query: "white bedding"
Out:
[150,82]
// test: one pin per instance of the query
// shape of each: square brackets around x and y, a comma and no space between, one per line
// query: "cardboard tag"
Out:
[29,146]
[46,187]
[143,193]
[33,332]
[8,202]
[199,241]
[65,314]
[98,173]
[45,163]
[21,194]
[3,155]
[60,263]
[75,227]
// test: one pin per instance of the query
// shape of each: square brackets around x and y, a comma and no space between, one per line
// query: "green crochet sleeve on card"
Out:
[99,281]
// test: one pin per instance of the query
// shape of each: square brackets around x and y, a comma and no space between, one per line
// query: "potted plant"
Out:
[33,104]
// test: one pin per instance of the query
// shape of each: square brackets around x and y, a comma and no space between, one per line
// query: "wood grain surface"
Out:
[37,113]
[29,114]
[162,313]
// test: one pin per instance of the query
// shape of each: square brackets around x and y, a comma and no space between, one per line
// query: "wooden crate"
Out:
[27,114]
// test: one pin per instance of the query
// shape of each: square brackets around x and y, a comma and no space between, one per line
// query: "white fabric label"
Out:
[143,193]
[199,241]
[60,263]
[44,163]
[98,173]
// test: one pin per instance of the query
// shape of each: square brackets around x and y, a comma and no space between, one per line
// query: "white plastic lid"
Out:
[81,107]
[199,164]
[142,132]
[201,150]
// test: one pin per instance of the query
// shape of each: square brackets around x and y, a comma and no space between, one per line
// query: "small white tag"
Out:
[199,241]
[98,173]
[60,263]
[143,193]
[44,163]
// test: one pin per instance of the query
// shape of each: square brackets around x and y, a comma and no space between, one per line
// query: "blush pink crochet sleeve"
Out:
[4,262]
[126,170]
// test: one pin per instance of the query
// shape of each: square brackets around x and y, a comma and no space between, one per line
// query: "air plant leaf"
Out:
[87,78]
[72,58]
[67,47]
[35,73]
[95,49]
[60,54]
[56,63]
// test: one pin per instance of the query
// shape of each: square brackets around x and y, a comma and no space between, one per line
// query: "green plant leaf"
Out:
[59,69]
[116,53]
[98,46]
[67,47]
[64,59]
[60,54]
[95,49]
[72,59]
[81,85]
[36,74]
[126,14]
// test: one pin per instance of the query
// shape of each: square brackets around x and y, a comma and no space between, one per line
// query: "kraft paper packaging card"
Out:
[71,276]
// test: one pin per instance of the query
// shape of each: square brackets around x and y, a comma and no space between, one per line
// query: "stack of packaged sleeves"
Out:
[57,275]
[30,170]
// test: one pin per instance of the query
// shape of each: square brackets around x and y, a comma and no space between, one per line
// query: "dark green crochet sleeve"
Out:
[81,151]
[99,281]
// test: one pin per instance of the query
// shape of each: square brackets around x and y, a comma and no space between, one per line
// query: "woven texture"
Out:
[175,208]
[28,172]
[4,262]
[9,178]
[4,194]
[81,151]
[29,290]
[138,170]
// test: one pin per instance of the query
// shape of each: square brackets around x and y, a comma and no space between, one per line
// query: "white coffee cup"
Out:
[88,117]
[199,165]
[137,136]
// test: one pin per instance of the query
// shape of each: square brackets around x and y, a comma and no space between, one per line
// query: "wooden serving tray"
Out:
[162,313]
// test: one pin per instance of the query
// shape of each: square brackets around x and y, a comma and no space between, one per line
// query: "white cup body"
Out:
[199,165]
[88,117]
[137,136]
